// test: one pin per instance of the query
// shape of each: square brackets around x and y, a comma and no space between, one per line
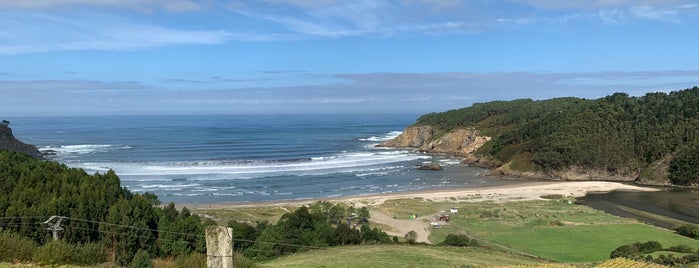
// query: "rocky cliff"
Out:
[464,142]
[9,142]
[461,142]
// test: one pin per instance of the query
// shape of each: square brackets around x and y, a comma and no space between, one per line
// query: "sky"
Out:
[141,57]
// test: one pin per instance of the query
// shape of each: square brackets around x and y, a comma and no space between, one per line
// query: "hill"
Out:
[651,139]
[9,142]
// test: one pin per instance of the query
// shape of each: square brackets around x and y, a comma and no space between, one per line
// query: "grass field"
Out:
[398,256]
[554,229]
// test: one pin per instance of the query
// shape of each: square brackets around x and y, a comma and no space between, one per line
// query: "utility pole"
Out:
[54,227]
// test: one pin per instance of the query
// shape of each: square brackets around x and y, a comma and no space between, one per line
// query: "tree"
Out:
[684,168]
[688,230]
[411,237]
[4,123]
[133,225]
[141,260]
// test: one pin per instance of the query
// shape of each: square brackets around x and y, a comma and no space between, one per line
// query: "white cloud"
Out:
[38,32]
[651,13]
[138,5]
[614,16]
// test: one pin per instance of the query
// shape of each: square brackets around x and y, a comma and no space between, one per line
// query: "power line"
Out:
[68,225]
[187,234]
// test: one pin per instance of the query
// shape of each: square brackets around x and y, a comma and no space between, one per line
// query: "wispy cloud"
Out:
[38,32]
[74,25]
[137,5]
[31,86]
[360,92]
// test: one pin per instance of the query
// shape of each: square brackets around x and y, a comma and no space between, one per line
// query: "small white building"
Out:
[453,210]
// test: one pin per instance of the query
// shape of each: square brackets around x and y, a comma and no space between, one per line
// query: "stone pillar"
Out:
[219,247]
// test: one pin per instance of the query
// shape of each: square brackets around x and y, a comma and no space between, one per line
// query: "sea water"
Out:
[246,158]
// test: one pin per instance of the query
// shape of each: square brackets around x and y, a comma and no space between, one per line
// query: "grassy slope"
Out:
[552,229]
[556,230]
[397,256]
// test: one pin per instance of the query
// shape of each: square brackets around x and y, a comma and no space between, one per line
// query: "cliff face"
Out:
[9,142]
[412,137]
[460,142]
[465,142]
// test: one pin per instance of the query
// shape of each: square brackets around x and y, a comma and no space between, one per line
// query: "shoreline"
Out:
[519,191]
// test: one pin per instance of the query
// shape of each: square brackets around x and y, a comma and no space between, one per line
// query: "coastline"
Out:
[520,191]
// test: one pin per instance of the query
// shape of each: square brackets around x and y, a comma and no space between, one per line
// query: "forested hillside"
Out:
[653,137]
[101,218]
[96,211]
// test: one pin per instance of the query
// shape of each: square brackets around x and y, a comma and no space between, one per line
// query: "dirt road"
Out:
[420,225]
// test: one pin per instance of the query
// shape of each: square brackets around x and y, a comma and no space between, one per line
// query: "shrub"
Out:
[648,247]
[411,237]
[460,240]
[681,249]
[625,251]
[243,262]
[688,230]
[56,252]
[90,254]
[141,260]
[21,250]
[192,260]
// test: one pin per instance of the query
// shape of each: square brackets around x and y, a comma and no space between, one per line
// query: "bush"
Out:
[625,251]
[192,260]
[242,262]
[635,249]
[21,250]
[648,247]
[56,252]
[411,237]
[141,260]
[460,240]
[688,230]
[681,249]
[90,254]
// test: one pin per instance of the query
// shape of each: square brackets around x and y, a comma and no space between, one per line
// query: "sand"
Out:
[504,193]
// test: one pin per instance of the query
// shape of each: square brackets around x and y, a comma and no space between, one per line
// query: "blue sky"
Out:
[92,57]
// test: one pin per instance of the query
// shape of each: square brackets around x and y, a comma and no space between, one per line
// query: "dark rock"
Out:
[9,142]
[432,166]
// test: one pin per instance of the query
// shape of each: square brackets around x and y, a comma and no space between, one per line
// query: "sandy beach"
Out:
[506,193]
[518,191]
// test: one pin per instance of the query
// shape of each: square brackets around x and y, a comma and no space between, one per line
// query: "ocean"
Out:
[246,158]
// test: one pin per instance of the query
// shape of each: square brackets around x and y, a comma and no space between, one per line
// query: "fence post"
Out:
[219,247]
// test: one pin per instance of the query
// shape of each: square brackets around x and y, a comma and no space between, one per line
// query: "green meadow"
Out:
[541,232]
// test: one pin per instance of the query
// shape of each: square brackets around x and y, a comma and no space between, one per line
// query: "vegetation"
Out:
[99,216]
[399,255]
[618,134]
[652,251]
[550,229]
[460,240]
[22,247]
[688,230]
[321,225]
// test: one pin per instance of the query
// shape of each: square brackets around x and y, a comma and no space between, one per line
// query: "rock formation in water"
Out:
[463,142]
[432,167]
[9,142]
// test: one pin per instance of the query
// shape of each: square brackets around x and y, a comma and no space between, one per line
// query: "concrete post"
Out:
[219,247]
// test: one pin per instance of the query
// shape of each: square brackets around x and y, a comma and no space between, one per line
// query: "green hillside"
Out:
[399,256]
[652,137]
